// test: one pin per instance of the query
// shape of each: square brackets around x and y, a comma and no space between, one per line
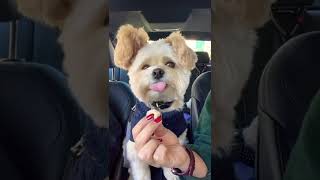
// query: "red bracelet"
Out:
[191,166]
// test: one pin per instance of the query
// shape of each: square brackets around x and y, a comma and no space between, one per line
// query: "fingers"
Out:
[141,124]
[168,137]
[147,151]
[161,155]
[146,133]
[161,131]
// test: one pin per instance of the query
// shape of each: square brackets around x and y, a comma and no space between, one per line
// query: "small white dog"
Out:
[234,40]
[159,75]
[84,42]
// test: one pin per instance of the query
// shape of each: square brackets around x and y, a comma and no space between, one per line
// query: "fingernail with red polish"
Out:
[150,116]
[158,119]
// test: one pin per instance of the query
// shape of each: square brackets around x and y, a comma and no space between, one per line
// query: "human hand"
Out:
[157,145]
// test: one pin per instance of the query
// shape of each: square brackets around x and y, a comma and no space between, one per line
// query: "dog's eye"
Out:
[170,64]
[146,66]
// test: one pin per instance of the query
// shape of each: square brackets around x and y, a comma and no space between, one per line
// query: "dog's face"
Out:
[159,71]
[156,75]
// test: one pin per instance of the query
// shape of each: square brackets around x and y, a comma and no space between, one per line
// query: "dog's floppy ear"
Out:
[187,57]
[129,41]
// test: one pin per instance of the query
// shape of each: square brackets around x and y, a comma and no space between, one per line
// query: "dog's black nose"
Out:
[157,73]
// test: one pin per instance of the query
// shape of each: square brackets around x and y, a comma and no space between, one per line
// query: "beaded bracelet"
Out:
[191,166]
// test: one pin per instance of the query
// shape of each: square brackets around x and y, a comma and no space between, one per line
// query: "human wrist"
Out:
[185,165]
[188,166]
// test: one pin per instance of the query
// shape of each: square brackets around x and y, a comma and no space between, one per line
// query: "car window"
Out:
[200,45]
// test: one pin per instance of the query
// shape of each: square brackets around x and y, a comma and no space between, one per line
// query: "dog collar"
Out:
[161,104]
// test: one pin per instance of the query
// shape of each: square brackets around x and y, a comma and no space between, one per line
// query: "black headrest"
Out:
[203,57]
[8,11]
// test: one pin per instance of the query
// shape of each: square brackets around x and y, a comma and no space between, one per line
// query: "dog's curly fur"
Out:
[132,53]
[234,40]
[84,42]
[184,53]
[129,41]
[132,50]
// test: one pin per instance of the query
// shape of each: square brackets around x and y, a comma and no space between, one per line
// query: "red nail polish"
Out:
[158,119]
[150,116]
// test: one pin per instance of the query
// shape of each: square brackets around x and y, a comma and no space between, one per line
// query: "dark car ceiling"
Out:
[162,16]
[138,5]
[161,21]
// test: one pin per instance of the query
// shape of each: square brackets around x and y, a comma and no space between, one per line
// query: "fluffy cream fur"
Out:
[234,24]
[133,52]
[186,56]
[130,40]
[84,41]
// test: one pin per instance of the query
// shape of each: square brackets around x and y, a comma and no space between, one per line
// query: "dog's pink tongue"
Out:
[159,86]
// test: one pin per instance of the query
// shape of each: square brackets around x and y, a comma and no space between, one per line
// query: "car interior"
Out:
[40,120]
[282,83]
[194,22]
[288,84]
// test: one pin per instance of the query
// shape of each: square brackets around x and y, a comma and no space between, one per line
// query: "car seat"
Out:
[199,93]
[121,100]
[39,121]
[289,81]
